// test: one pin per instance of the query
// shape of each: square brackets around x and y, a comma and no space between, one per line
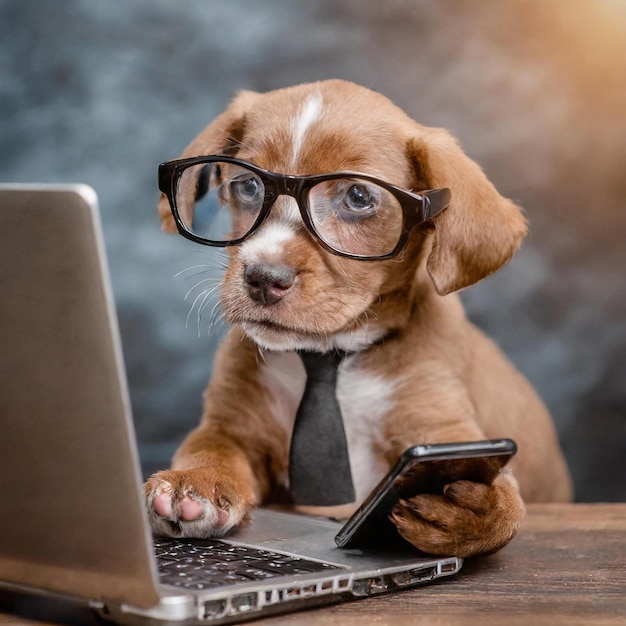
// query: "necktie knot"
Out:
[321,366]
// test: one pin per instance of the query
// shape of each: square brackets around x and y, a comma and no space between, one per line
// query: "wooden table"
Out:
[566,566]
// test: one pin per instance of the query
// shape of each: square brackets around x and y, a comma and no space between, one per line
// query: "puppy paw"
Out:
[195,503]
[467,520]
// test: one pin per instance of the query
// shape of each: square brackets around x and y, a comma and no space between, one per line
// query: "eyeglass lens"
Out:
[221,202]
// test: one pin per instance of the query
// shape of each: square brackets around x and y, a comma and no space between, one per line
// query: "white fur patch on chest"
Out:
[364,400]
[283,375]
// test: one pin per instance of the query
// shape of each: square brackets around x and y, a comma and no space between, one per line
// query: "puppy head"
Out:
[281,286]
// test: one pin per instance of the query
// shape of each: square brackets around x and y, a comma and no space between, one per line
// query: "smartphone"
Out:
[422,469]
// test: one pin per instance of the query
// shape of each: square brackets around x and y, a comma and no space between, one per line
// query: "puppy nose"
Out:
[267,283]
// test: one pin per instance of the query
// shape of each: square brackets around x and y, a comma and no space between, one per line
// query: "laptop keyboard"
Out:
[210,563]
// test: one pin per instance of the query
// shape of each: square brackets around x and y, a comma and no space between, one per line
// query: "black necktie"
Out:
[319,466]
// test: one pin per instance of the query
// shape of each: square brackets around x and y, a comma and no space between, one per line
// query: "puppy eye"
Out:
[360,199]
[247,189]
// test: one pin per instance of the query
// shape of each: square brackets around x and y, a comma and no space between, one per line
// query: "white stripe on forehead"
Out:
[309,112]
[266,243]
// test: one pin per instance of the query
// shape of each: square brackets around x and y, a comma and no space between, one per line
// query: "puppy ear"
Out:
[480,230]
[168,225]
[222,136]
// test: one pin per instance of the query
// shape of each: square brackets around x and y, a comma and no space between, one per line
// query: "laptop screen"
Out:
[70,476]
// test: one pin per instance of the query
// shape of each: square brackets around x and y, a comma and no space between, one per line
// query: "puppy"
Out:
[416,370]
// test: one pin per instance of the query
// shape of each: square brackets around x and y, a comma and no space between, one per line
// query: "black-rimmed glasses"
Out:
[221,201]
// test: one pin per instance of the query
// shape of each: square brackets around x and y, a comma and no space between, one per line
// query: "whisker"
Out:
[192,307]
[207,295]
[206,280]
[193,267]
[216,321]
[217,273]
[215,312]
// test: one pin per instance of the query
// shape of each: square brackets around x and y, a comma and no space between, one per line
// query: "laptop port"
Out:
[213,609]
[449,568]
[370,586]
[361,587]
[244,602]
[421,576]
[414,576]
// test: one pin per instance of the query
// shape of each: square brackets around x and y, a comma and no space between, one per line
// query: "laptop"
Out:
[72,518]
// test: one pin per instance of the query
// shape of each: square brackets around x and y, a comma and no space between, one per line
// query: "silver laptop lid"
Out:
[71,516]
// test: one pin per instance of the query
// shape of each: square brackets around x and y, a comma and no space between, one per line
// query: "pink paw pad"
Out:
[223,517]
[162,504]
[190,510]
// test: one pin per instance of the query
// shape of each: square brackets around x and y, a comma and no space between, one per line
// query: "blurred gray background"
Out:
[101,91]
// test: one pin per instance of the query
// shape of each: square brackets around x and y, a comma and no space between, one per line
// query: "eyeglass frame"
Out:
[429,202]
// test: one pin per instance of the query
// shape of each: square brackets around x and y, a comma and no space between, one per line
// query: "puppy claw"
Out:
[469,519]
[427,507]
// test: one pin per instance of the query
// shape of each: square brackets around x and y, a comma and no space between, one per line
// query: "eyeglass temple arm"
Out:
[436,200]
[165,177]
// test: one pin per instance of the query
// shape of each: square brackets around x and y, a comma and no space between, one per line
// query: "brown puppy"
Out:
[417,372]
